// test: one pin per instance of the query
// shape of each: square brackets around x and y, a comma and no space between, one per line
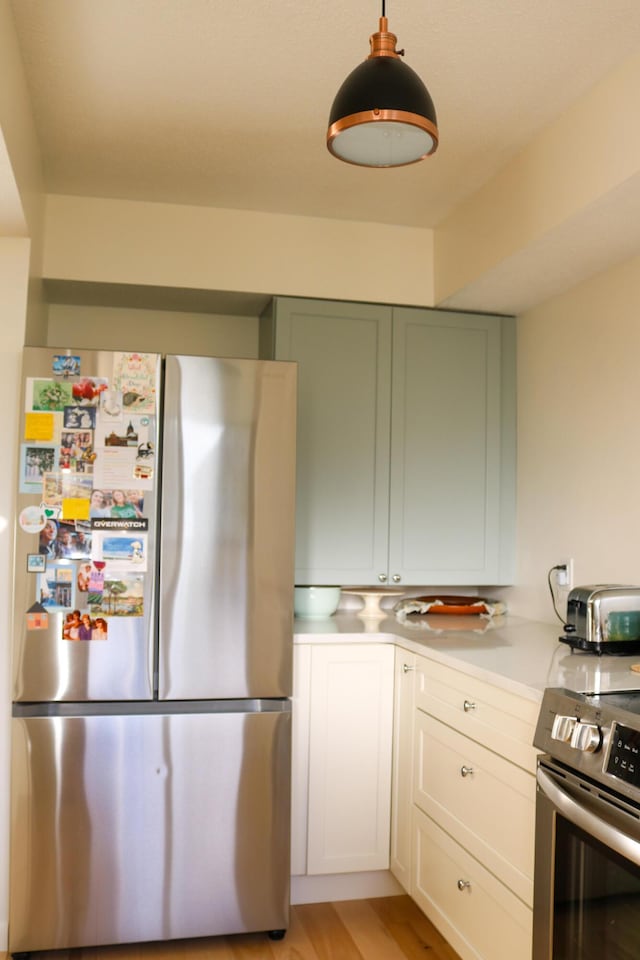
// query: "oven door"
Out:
[587,870]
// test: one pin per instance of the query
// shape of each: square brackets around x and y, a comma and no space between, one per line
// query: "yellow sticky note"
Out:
[38,426]
[75,508]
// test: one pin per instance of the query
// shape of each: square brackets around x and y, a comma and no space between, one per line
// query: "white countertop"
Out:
[523,656]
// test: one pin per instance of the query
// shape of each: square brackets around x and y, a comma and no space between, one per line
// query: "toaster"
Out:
[603,618]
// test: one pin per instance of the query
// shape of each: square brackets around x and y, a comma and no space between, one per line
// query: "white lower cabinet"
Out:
[402,770]
[479,916]
[485,802]
[468,795]
[342,741]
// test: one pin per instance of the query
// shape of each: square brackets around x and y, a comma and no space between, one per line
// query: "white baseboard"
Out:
[344,886]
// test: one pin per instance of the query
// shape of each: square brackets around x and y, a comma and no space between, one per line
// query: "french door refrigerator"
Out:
[152,656]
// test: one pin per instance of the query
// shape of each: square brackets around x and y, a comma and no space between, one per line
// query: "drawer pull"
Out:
[464,885]
[466,771]
[468,705]
[406,668]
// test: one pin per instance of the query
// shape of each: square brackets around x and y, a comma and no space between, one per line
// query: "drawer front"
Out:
[497,718]
[482,920]
[484,801]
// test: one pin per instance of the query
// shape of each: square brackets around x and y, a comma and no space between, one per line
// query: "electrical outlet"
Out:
[564,577]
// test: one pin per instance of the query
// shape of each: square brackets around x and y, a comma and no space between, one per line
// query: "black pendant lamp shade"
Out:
[383,115]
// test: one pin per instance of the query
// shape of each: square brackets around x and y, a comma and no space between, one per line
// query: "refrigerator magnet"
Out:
[145,460]
[32,519]
[37,617]
[95,584]
[36,563]
[78,417]
[51,510]
[66,366]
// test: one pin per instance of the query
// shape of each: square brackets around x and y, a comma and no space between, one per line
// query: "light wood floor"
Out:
[385,928]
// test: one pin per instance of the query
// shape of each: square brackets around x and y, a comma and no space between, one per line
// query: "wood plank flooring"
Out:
[383,928]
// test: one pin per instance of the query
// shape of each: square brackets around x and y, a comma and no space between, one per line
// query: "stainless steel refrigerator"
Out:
[152,657]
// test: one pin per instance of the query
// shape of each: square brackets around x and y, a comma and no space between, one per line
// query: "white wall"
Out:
[155,244]
[579,438]
[14,272]
[160,331]
[21,216]
[543,206]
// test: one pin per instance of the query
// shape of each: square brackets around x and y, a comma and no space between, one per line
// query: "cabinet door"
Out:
[343,352]
[350,734]
[402,770]
[452,463]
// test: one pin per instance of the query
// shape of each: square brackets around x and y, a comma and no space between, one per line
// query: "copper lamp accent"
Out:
[383,115]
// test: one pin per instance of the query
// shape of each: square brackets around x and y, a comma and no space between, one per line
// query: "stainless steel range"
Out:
[587,870]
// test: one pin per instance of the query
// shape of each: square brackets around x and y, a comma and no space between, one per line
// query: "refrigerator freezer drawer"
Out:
[148,827]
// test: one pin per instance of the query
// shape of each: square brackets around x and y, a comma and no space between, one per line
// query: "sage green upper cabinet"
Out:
[451,518]
[405,456]
[343,352]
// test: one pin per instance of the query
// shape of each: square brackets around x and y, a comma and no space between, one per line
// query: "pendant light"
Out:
[383,115]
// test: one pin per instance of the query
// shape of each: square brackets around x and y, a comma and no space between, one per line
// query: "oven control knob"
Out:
[587,737]
[563,728]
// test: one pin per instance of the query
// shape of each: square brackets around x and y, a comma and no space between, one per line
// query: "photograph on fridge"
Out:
[36,460]
[60,540]
[86,390]
[75,447]
[83,626]
[116,505]
[83,577]
[55,589]
[66,485]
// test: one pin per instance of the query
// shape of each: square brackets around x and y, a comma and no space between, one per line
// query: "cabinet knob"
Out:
[396,578]
[464,885]
[406,668]
[468,705]
[466,771]
[382,577]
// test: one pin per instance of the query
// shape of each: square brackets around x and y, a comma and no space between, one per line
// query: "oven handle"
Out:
[596,827]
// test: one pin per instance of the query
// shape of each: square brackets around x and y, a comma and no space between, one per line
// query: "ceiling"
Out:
[226,104]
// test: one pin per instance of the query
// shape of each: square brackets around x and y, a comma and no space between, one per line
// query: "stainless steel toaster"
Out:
[603,618]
